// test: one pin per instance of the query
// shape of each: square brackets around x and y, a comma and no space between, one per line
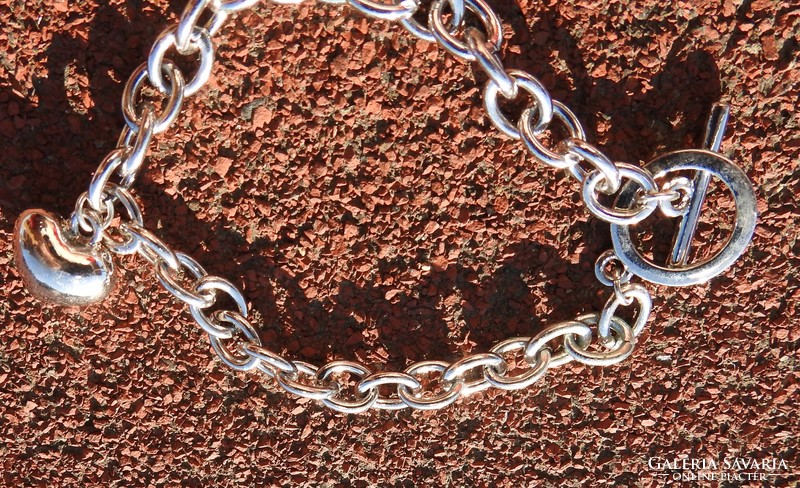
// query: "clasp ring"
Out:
[710,164]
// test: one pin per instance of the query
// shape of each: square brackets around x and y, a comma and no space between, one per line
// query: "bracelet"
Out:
[70,261]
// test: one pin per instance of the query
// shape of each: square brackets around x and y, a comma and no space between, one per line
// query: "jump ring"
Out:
[601,269]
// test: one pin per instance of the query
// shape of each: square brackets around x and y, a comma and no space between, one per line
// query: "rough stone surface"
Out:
[345,176]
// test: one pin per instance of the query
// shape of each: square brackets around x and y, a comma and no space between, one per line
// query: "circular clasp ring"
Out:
[746,212]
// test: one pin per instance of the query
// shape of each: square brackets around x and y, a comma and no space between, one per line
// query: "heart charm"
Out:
[56,267]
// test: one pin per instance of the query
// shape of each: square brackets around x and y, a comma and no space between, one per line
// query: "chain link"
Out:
[674,197]
[404,9]
[389,378]
[304,382]
[490,62]
[424,32]
[628,294]
[233,358]
[618,346]
[543,106]
[170,280]
[358,402]
[499,378]
[199,42]
[132,92]
[529,133]
[633,215]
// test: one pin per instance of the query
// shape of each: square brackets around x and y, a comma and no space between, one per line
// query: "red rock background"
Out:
[344,175]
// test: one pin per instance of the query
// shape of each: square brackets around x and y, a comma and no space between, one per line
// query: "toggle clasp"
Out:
[706,163]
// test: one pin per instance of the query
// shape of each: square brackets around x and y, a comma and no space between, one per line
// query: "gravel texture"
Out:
[345,176]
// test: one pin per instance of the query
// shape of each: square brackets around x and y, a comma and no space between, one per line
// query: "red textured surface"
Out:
[345,176]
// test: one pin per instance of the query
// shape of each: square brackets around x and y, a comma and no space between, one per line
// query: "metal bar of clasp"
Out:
[715,130]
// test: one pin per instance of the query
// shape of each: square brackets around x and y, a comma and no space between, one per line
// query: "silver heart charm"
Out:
[55,267]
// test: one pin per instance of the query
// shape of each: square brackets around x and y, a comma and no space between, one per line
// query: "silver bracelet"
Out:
[70,261]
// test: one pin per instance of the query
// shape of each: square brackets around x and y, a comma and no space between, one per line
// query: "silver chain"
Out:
[599,339]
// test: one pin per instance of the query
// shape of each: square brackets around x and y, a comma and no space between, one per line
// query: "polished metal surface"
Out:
[715,131]
[744,197]
[55,266]
[59,267]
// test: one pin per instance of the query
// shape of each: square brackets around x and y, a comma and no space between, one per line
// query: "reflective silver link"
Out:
[673,198]
[271,363]
[215,284]
[582,150]
[88,219]
[447,38]
[170,110]
[557,331]
[231,6]
[630,216]
[459,370]
[529,133]
[231,334]
[629,294]
[423,32]
[362,401]
[169,280]
[199,42]
[617,348]
[404,9]
[609,269]
[150,247]
[234,359]
[422,400]
[389,378]
[543,108]
[296,382]
[100,180]
[190,17]
[127,244]
[490,62]
[499,378]
[136,143]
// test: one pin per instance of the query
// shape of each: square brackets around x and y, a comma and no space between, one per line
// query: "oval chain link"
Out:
[458,47]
